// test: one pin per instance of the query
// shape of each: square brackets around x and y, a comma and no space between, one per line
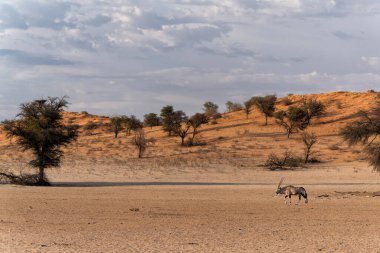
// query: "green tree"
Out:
[117,125]
[266,105]
[151,120]
[365,131]
[210,109]
[181,125]
[167,114]
[292,120]
[196,122]
[233,107]
[248,107]
[131,123]
[313,109]
[39,128]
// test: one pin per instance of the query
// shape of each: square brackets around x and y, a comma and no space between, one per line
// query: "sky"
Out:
[136,56]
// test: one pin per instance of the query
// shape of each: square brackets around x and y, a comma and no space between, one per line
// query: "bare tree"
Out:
[39,128]
[141,142]
[308,139]
[365,131]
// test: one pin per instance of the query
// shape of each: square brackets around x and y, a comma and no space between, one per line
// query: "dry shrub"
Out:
[286,101]
[334,147]
[22,179]
[197,141]
[90,126]
[286,161]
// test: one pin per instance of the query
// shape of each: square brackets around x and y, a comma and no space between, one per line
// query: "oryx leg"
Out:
[299,198]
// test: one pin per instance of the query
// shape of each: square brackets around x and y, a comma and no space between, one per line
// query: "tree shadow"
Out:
[115,184]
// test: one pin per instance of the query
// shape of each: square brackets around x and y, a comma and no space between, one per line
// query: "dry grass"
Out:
[234,141]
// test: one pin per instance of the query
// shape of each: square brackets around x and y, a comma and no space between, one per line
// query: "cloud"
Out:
[344,36]
[372,61]
[11,18]
[24,58]
[134,56]
[26,14]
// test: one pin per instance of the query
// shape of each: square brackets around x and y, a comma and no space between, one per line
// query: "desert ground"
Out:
[216,197]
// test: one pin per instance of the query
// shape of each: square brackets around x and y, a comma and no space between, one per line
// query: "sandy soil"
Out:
[181,217]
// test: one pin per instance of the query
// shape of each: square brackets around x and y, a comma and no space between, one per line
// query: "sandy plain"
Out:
[212,198]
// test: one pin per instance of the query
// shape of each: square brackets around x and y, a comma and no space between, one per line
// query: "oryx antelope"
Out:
[291,190]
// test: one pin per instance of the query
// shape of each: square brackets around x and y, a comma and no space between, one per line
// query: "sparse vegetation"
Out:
[266,105]
[117,125]
[309,140]
[167,116]
[292,120]
[131,124]
[151,120]
[141,142]
[210,110]
[365,131]
[286,101]
[90,126]
[233,107]
[22,179]
[196,122]
[39,128]
[286,161]
[313,109]
[181,125]
[248,107]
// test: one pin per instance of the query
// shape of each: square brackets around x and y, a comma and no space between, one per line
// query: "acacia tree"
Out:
[233,107]
[210,109]
[292,120]
[117,125]
[131,124]
[313,108]
[181,125]
[248,107]
[39,128]
[167,114]
[365,131]
[196,122]
[266,105]
[151,120]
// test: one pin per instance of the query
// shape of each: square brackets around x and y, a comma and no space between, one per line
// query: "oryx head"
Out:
[279,186]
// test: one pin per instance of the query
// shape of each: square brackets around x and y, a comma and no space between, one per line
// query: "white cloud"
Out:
[133,52]
[371,61]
